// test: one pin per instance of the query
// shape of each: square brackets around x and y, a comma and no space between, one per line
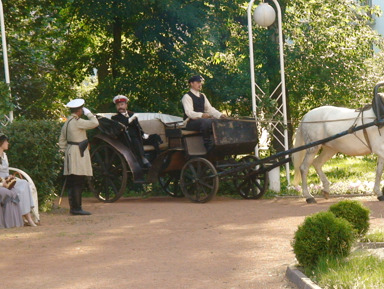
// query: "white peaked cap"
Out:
[120,98]
[75,103]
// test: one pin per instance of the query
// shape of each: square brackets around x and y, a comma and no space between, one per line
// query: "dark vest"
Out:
[198,103]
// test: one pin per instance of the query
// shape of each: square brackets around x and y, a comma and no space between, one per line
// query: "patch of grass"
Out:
[360,270]
[377,236]
[284,192]
[349,169]
[348,175]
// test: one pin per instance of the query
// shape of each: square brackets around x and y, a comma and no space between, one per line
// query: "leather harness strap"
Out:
[365,133]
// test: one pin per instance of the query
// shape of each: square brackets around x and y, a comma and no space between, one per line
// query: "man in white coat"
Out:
[77,162]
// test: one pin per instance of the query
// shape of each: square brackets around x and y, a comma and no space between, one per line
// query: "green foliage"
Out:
[148,49]
[328,54]
[354,212]
[322,234]
[33,149]
[34,33]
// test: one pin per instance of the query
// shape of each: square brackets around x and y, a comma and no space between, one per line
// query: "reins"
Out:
[276,121]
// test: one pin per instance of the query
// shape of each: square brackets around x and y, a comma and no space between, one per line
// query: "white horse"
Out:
[326,121]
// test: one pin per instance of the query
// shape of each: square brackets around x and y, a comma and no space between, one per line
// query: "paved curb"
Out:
[299,279]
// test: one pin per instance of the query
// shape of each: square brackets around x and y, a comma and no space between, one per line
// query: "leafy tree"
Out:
[328,46]
[147,50]
[33,34]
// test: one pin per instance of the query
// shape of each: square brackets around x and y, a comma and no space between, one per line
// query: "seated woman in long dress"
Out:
[10,214]
[21,187]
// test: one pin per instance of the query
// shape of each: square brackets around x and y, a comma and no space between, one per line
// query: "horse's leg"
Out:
[379,173]
[318,163]
[304,168]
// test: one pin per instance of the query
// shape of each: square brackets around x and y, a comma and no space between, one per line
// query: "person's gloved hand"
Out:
[145,136]
[86,110]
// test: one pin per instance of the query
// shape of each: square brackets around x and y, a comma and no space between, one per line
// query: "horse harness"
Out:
[367,142]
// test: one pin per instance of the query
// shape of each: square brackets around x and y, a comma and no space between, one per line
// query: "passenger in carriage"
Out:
[136,136]
[21,192]
[199,110]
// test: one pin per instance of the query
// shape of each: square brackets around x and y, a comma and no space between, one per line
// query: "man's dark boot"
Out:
[70,198]
[76,208]
[208,143]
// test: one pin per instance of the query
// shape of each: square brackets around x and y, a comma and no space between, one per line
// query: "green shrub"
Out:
[354,212]
[34,149]
[320,235]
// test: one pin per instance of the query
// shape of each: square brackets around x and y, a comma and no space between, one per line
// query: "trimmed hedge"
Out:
[321,235]
[354,212]
[34,149]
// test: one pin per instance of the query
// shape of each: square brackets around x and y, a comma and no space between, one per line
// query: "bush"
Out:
[322,235]
[354,212]
[34,149]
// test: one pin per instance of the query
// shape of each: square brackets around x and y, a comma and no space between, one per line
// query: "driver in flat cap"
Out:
[136,136]
[77,161]
[199,110]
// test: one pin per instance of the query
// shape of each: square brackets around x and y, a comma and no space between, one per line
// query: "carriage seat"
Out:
[189,132]
[151,127]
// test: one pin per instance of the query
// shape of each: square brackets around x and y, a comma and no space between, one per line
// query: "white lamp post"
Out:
[264,15]
[5,54]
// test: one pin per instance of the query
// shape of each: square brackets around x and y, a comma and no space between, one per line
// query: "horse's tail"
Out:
[298,157]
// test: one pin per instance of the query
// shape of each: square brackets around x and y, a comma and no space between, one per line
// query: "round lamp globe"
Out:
[264,15]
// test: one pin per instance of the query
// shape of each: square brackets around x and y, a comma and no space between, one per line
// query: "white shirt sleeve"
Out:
[208,108]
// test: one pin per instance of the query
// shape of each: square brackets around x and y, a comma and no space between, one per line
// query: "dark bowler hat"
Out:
[3,136]
[194,78]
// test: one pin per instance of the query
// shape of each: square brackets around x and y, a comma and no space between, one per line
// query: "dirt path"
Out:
[160,243]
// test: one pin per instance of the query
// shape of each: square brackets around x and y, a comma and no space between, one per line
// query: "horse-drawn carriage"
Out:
[183,167]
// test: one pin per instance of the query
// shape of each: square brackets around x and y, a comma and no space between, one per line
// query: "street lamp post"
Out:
[265,16]
[5,54]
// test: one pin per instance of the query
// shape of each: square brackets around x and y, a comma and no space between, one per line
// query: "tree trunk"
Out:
[116,47]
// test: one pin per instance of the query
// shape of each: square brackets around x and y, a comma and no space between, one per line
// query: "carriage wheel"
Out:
[251,187]
[169,182]
[198,180]
[109,174]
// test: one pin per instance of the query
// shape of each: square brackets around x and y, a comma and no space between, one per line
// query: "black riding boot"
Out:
[208,143]
[75,198]
[70,198]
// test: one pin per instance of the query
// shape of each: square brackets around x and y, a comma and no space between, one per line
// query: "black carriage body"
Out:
[183,166]
[234,137]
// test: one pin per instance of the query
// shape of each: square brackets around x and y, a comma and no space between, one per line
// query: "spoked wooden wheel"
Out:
[109,174]
[198,180]
[251,186]
[169,182]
